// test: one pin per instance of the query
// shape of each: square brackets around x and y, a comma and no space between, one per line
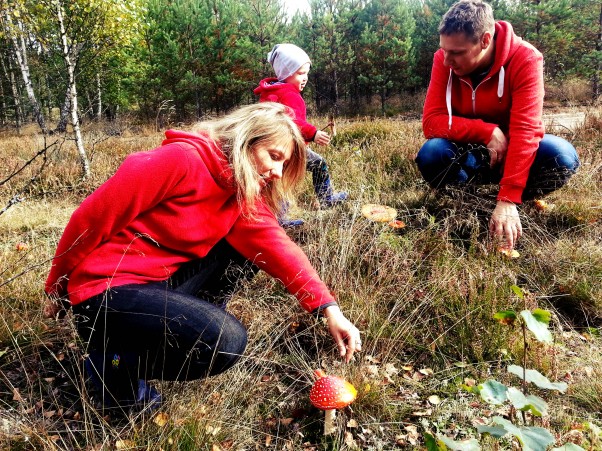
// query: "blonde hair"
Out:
[243,130]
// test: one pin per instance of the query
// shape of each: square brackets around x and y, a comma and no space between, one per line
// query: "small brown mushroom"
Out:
[330,393]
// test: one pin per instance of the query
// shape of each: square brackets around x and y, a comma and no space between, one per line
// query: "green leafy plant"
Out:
[531,438]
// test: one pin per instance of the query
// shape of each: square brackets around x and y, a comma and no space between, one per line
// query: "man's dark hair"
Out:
[471,17]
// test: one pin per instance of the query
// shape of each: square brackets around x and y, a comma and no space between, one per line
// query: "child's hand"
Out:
[322,138]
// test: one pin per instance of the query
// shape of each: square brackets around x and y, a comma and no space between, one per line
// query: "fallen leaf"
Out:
[16,395]
[124,444]
[470,382]
[542,205]
[161,419]
[574,436]
[427,371]
[412,436]
[349,441]
[49,413]
[397,224]
[213,430]
[434,400]
[286,421]
[352,423]
[390,369]
[411,428]
[371,359]
[268,440]
[510,253]
[371,370]
[480,421]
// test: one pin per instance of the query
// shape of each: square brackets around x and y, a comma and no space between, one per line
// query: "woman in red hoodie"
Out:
[149,260]
[483,116]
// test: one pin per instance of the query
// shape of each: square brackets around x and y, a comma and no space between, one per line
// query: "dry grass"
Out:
[423,299]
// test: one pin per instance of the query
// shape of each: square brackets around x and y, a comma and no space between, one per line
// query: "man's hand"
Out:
[322,138]
[345,334]
[497,147]
[505,224]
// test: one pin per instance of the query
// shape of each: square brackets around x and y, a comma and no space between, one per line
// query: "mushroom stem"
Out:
[329,416]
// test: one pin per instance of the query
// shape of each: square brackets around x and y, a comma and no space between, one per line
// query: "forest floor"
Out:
[424,298]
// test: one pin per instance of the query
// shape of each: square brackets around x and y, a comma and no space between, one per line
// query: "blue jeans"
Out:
[174,330]
[442,162]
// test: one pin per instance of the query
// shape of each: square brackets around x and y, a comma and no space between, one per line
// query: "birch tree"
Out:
[9,75]
[88,30]
[70,51]
[15,30]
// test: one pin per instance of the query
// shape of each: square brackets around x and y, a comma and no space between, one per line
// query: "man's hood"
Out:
[506,44]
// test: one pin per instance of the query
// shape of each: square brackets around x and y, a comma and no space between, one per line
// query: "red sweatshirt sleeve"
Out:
[435,118]
[526,127]
[266,244]
[112,206]
[294,101]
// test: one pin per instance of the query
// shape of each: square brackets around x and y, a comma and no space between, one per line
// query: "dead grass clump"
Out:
[570,92]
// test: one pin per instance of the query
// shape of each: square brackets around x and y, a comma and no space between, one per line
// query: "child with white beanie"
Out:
[291,66]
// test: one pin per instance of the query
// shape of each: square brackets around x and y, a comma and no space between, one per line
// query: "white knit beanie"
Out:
[286,59]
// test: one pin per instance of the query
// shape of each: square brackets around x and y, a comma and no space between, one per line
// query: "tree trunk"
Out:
[3,116]
[598,69]
[61,126]
[99,94]
[10,76]
[70,64]
[21,57]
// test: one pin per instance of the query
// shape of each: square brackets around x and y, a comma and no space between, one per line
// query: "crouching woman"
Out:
[149,260]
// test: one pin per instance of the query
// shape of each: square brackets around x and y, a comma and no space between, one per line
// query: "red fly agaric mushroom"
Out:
[330,393]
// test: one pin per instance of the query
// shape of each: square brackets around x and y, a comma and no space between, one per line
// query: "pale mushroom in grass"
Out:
[330,393]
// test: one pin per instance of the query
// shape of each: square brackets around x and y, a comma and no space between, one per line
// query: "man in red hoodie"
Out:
[483,116]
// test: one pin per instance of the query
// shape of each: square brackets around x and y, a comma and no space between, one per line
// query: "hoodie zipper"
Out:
[474,92]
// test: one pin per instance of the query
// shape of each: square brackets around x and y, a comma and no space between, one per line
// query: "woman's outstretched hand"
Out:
[345,334]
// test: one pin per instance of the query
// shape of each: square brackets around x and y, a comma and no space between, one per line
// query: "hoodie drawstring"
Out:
[448,95]
[500,83]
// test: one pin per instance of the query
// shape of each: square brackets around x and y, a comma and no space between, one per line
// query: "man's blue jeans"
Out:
[174,330]
[442,162]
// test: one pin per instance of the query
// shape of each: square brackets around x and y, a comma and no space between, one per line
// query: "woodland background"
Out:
[181,60]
